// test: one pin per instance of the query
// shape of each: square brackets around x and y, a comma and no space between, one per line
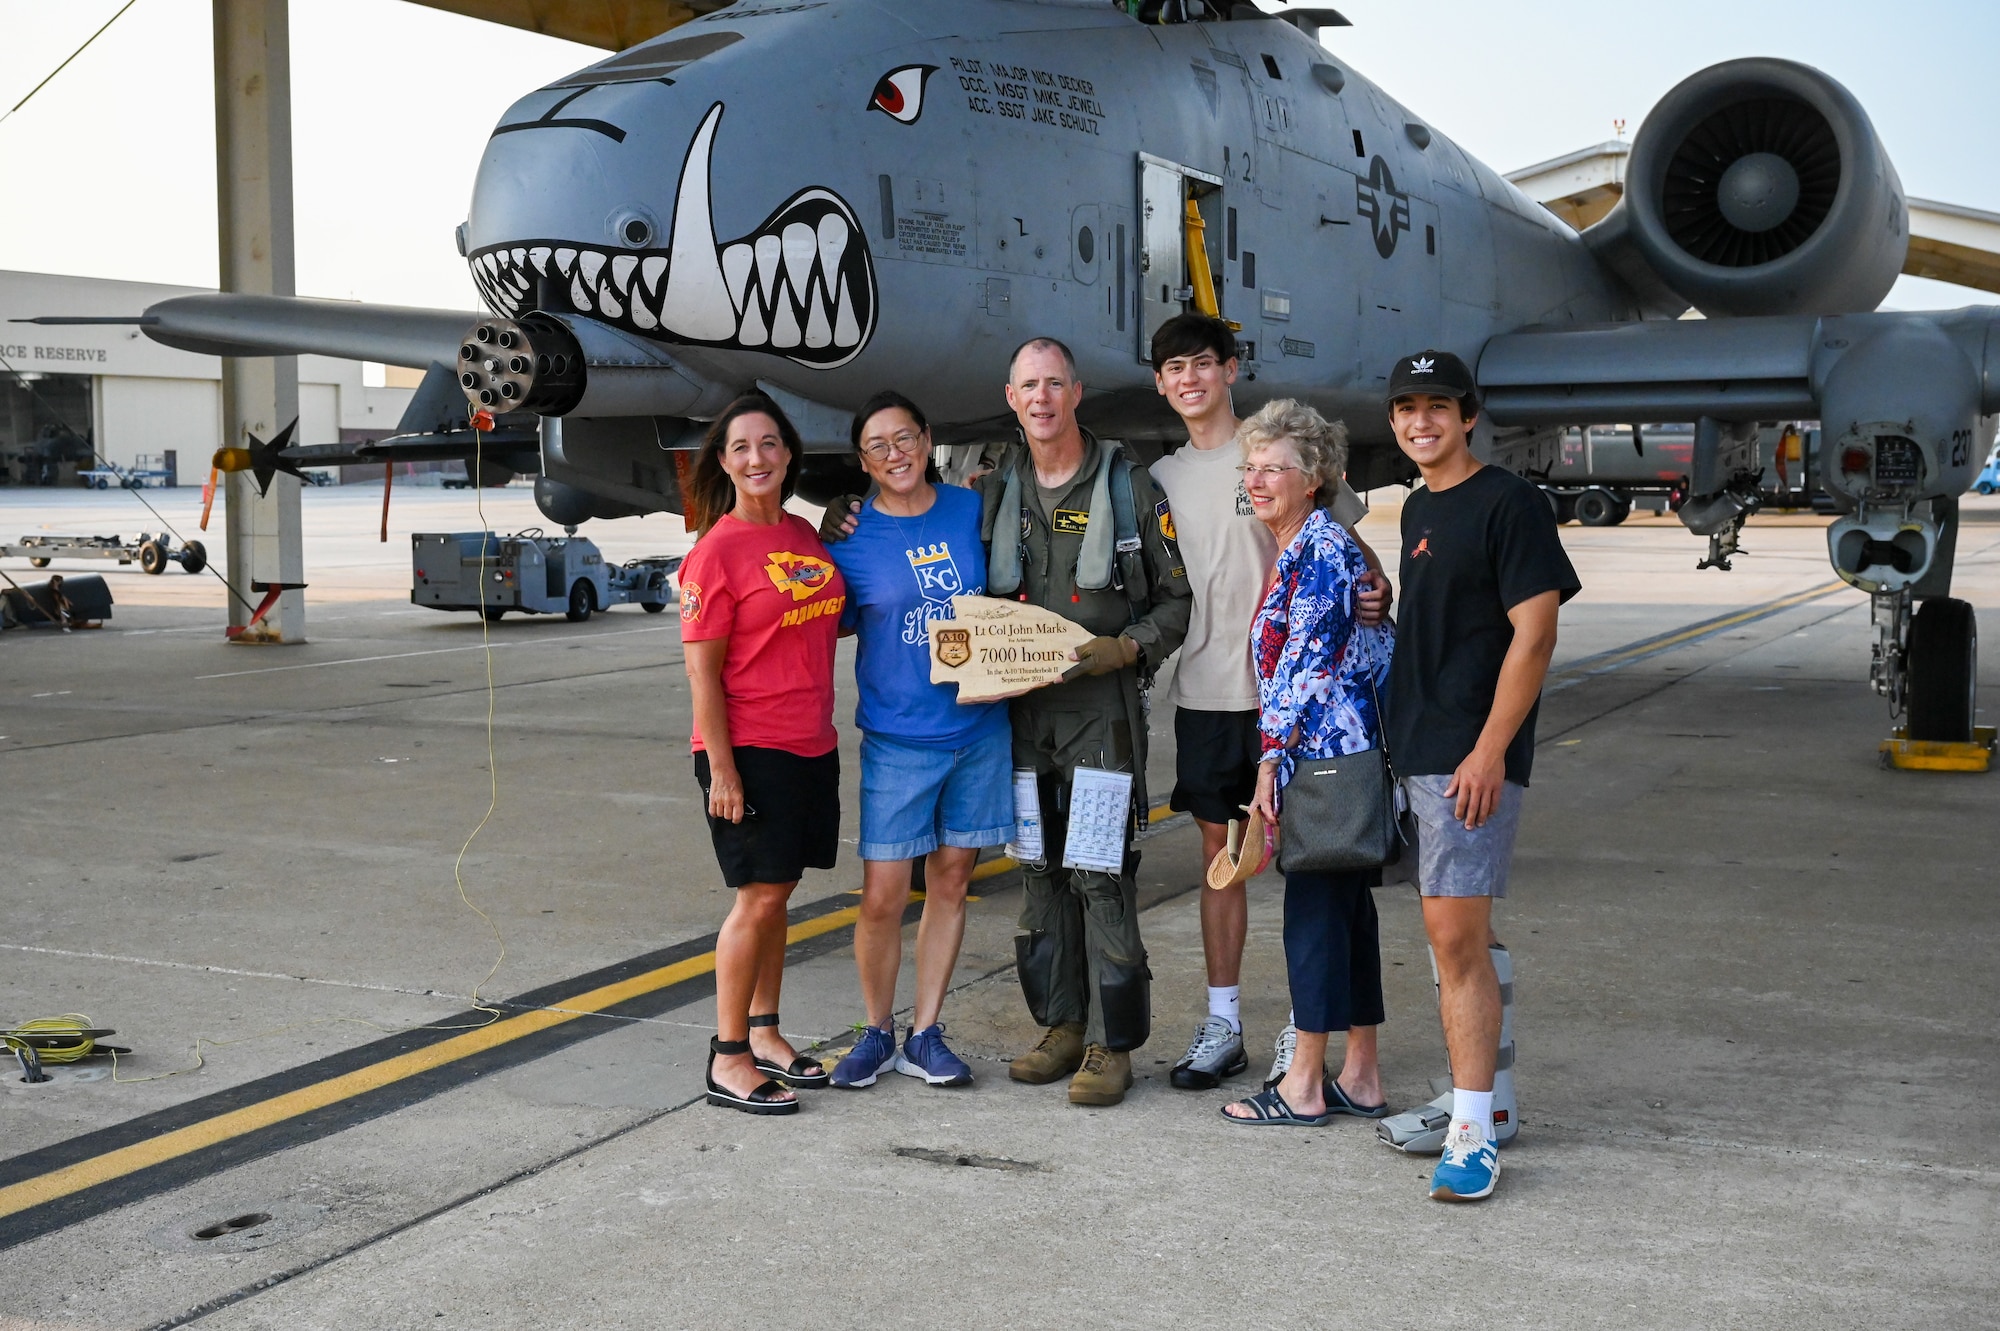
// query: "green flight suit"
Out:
[1081,958]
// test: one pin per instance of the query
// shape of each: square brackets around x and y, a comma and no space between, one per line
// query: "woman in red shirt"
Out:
[760,614]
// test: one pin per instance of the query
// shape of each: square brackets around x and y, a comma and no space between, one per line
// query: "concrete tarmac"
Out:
[1757,1063]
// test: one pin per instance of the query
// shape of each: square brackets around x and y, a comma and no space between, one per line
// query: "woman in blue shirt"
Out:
[935,776]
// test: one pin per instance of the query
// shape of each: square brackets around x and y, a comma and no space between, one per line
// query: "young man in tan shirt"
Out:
[1229,555]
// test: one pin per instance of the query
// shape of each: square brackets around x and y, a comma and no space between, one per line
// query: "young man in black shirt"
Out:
[1483,574]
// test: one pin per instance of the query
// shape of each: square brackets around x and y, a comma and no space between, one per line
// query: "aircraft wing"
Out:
[1741,369]
[222,323]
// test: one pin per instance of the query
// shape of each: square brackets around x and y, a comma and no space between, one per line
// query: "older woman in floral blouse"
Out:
[1318,671]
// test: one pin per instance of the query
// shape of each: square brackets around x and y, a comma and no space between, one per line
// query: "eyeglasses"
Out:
[1266,472]
[905,442]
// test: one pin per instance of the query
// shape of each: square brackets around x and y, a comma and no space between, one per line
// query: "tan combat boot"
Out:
[1058,1055]
[1103,1079]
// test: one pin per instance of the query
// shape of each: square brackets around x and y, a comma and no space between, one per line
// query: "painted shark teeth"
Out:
[802,283]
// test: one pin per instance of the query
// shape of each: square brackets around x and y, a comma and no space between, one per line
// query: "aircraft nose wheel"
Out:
[1943,656]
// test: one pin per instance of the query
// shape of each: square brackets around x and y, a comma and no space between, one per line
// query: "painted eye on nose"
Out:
[899,94]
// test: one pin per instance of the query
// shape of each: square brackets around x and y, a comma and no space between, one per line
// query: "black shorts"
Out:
[1215,763]
[791,816]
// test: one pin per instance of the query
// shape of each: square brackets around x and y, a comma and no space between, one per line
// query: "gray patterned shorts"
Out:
[1451,859]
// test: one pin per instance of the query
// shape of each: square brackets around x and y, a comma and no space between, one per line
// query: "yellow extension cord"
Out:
[72,1024]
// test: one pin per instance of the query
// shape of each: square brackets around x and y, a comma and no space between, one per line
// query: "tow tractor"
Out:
[151,553]
[532,573]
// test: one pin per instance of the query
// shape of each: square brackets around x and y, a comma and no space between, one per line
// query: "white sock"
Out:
[1227,1003]
[1474,1106]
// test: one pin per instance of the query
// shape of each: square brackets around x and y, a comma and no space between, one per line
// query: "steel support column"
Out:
[253,177]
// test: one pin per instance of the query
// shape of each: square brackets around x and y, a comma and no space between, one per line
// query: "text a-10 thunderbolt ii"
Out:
[824,198]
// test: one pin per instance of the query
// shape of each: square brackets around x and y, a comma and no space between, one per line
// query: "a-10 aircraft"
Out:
[827,197]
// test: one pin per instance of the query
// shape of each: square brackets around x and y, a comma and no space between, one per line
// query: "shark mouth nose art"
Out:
[801,285]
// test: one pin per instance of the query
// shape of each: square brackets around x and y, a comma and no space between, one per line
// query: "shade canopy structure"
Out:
[611,25]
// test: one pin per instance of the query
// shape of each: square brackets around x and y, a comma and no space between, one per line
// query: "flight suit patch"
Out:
[1166,517]
[1071,521]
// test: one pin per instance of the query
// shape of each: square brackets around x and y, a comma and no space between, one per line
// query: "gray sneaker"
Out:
[1215,1052]
[1281,1055]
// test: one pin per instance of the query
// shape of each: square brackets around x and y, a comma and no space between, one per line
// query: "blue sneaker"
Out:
[1470,1167]
[872,1055]
[925,1055]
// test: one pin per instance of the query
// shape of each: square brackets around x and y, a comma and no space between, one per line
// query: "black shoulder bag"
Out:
[1340,813]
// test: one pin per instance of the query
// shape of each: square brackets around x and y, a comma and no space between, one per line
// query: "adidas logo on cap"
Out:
[1432,371]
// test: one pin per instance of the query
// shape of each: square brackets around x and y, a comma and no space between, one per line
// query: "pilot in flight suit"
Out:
[1082,964]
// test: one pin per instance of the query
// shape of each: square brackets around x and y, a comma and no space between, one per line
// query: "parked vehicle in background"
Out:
[548,575]
[1989,475]
[1605,471]
[129,478]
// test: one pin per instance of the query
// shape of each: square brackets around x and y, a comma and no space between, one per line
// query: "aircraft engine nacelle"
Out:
[1900,428]
[1759,186]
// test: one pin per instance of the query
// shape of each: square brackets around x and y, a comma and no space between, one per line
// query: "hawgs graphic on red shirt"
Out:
[804,576]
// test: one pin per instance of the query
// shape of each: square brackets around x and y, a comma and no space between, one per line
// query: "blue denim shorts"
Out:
[1456,861]
[915,798]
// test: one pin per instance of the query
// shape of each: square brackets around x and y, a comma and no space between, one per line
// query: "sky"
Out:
[110,170]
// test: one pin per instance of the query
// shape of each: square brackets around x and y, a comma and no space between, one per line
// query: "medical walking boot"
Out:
[1103,1079]
[1059,1054]
[1423,1130]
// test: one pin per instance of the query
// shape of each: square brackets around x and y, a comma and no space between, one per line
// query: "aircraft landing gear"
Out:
[1926,664]
[1941,661]
[1887,671]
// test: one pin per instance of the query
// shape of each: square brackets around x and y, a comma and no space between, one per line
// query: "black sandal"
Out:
[763,1099]
[804,1073]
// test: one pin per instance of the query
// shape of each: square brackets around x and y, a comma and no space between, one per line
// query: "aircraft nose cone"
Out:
[799,284]
[1758,191]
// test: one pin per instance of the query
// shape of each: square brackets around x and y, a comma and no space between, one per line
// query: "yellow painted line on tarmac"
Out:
[116,1164]
[305,1100]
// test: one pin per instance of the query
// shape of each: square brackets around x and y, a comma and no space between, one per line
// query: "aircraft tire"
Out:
[1943,660]
[582,600]
[152,557]
[1597,507]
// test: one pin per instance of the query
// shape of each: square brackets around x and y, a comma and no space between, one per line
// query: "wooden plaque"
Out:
[996,649]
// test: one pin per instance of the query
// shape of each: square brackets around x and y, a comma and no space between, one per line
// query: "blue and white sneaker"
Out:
[1470,1167]
[873,1054]
[925,1055]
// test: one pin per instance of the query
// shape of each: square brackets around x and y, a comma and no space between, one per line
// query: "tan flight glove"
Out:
[1102,656]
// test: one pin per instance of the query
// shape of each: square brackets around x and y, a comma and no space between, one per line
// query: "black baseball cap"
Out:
[1432,371]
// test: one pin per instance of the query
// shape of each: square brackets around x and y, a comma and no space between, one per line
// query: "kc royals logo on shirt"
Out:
[938,580]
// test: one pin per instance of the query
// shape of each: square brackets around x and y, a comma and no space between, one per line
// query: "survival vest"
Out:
[1111,556]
